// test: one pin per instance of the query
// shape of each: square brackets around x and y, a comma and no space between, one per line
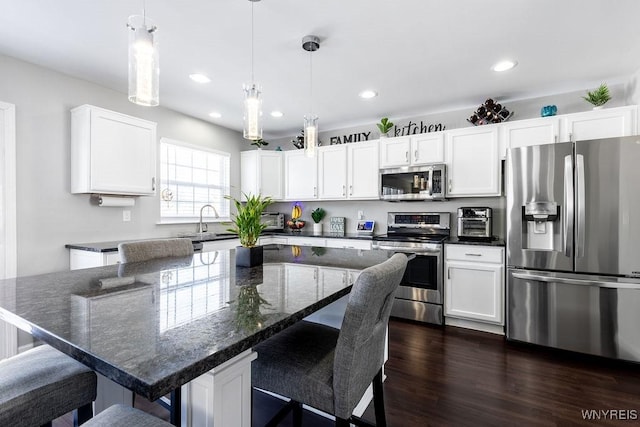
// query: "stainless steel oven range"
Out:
[420,294]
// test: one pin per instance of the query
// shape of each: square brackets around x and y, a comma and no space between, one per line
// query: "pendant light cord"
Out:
[311,83]
[252,80]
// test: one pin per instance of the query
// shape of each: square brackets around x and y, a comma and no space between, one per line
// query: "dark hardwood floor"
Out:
[457,377]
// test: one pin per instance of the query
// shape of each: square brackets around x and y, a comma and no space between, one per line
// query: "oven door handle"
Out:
[406,251]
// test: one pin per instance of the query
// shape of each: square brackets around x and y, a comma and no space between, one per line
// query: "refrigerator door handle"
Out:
[567,235]
[580,206]
[581,282]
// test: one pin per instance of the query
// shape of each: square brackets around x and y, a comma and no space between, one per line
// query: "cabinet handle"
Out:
[470,254]
[449,184]
[406,156]
[415,154]
[344,190]
[449,273]
[153,184]
[315,191]
[570,137]
[555,139]
[351,190]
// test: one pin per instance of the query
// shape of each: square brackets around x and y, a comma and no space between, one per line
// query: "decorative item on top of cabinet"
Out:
[112,153]
[598,97]
[489,112]
[384,126]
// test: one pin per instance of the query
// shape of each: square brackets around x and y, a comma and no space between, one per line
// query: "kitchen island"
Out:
[157,326]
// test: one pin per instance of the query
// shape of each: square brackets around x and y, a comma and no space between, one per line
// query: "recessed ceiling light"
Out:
[215,115]
[277,114]
[199,78]
[368,94]
[504,65]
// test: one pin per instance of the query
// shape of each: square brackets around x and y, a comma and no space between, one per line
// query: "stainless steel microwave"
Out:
[426,182]
[273,220]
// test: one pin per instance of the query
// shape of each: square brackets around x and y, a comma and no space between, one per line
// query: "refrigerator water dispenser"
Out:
[541,221]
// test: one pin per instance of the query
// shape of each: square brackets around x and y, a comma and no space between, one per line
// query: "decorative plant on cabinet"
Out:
[317,215]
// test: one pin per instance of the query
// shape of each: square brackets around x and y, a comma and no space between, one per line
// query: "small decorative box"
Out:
[336,224]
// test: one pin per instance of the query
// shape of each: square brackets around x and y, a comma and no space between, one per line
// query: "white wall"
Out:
[49,216]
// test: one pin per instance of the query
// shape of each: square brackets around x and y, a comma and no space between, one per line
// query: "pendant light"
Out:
[144,68]
[252,117]
[310,44]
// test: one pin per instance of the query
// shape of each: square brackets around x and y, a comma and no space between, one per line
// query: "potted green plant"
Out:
[598,97]
[384,126]
[247,226]
[317,215]
[259,143]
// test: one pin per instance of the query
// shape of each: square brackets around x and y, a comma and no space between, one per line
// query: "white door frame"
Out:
[8,333]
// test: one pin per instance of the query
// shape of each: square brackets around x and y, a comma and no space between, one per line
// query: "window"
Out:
[191,177]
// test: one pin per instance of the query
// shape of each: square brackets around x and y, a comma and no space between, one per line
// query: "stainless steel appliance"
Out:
[419,296]
[273,220]
[573,237]
[414,183]
[475,223]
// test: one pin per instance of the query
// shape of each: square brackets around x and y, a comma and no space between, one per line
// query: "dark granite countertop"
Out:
[494,241]
[112,246]
[155,325]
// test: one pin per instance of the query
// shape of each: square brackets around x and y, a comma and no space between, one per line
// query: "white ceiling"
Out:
[421,56]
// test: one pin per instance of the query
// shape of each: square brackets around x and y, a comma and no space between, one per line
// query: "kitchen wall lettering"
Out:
[413,128]
[346,139]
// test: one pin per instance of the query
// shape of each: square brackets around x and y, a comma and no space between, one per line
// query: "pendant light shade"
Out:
[252,112]
[310,135]
[310,44]
[144,71]
[252,117]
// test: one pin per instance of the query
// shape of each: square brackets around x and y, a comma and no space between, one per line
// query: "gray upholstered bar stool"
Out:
[330,369]
[42,384]
[125,416]
[151,249]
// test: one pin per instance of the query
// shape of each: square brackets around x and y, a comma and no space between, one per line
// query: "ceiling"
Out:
[420,56]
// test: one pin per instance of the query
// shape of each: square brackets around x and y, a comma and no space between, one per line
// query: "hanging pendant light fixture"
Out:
[310,44]
[144,71]
[252,117]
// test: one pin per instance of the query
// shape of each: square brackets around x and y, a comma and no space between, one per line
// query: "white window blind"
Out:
[191,177]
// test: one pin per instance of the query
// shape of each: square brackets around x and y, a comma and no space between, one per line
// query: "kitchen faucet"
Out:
[200,224]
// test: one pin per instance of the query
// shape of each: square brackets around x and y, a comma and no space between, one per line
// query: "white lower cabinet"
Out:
[87,259]
[474,286]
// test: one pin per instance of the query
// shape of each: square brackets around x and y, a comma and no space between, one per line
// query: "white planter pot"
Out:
[317,228]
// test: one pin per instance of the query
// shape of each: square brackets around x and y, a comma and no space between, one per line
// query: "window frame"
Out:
[208,215]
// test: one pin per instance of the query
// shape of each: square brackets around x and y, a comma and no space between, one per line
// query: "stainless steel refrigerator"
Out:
[573,246]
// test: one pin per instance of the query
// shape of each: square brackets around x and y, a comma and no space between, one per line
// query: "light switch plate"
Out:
[126,215]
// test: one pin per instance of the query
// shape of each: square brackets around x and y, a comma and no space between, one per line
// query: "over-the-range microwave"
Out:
[426,182]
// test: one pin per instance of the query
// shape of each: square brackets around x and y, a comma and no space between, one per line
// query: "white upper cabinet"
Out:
[262,173]
[363,181]
[332,172]
[473,164]
[395,152]
[522,133]
[300,176]
[427,148]
[605,123]
[112,153]
[348,171]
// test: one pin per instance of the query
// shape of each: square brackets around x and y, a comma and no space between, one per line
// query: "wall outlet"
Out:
[360,215]
[126,215]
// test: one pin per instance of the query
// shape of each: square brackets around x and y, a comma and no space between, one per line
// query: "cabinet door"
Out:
[473,163]
[270,177]
[362,172]
[394,151]
[524,133]
[300,176]
[123,154]
[332,172]
[261,172]
[474,291]
[427,148]
[606,123]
